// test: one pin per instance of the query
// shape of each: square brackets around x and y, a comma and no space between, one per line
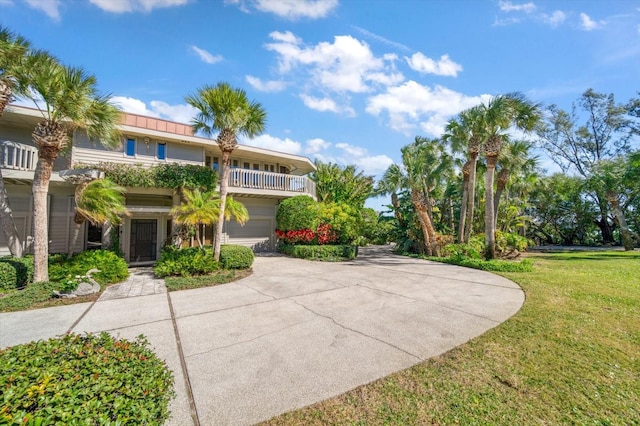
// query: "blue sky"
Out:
[347,81]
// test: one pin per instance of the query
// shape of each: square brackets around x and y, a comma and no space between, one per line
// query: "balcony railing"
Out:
[255,179]
[18,156]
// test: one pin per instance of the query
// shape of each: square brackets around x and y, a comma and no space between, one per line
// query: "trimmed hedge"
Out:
[327,253]
[15,272]
[113,269]
[185,262]
[92,379]
[24,299]
[233,256]
[495,265]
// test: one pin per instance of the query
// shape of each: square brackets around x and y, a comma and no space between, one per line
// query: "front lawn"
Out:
[570,356]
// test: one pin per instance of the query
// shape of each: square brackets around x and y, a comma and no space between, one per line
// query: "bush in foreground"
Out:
[75,378]
[113,269]
[185,262]
[15,272]
[327,253]
[234,256]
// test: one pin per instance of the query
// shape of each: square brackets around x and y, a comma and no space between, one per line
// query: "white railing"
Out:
[18,156]
[256,179]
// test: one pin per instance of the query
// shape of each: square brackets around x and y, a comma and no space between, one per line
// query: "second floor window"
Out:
[162,151]
[130,149]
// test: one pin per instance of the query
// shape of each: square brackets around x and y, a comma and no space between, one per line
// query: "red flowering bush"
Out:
[323,235]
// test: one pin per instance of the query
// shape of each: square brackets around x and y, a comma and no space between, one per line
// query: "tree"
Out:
[227,112]
[463,134]
[68,100]
[13,52]
[498,115]
[340,184]
[426,163]
[393,181]
[100,202]
[203,208]
[606,134]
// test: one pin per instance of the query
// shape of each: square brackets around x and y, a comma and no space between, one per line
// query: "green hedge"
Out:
[495,265]
[92,379]
[234,256]
[27,297]
[15,272]
[327,253]
[185,262]
[113,269]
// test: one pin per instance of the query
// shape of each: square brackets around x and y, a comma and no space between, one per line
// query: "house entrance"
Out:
[144,240]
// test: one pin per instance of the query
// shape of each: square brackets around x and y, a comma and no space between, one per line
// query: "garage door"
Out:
[256,233]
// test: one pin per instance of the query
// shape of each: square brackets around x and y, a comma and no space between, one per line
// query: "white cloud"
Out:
[124,6]
[505,21]
[274,143]
[181,113]
[507,6]
[369,164]
[588,24]
[381,39]
[50,7]
[346,65]
[289,9]
[326,104]
[412,104]
[555,19]
[425,65]
[204,55]
[315,145]
[266,86]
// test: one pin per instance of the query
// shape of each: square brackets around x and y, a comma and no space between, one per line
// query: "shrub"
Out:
[75,378]
[462,250]
[185,262]
[509,244]
[345,220]
[327,253]
[27,297]
[15,272]
[495,265]
[113,269]
[234,256]
[296,213]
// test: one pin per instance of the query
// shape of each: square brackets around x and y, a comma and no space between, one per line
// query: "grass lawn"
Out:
[570,356]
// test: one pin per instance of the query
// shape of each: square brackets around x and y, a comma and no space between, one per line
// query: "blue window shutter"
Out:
[131,147]
[162,151]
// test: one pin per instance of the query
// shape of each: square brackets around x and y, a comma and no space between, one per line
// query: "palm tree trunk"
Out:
[625,232]
[224,188]
[465,200]
[7,222]
[428,232]
[472,198]
[503,177]
[40,190]
[78,220]
[489,222]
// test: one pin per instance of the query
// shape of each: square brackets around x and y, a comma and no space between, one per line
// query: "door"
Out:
[144,239]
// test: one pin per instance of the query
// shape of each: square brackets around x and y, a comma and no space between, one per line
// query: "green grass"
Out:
[570,356]
[222,276]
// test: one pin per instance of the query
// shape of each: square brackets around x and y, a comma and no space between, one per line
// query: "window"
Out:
[162,151]
[245,166]
[235,164]
[131,148]
[216,164]
[256,166]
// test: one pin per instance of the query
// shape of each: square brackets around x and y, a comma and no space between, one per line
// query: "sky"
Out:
[342,81]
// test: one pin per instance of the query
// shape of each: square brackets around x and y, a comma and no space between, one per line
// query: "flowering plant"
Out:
[323,235]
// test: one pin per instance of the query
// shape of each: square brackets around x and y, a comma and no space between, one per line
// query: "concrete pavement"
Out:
[294,333]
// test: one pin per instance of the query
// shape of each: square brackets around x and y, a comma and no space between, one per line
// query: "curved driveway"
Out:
[297,332]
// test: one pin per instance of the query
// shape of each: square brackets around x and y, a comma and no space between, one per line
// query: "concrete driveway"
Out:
[294,333]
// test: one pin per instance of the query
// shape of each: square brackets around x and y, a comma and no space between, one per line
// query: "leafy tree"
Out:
[68,100]
[100,202]
[606,134]
[13,52]
[203,208]
[338,184]
[498,115]
[227,112]
[392,183]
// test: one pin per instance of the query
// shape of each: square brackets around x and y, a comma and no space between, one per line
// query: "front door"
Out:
[144,239]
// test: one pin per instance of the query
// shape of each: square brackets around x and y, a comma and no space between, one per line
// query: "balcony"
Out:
[269,182]
[17,156]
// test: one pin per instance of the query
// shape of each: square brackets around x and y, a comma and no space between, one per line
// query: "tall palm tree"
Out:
[464,134]
[498,115]
[425,162]
[203,208]
[393,181]
[100,202]
[227,112]
[13,51]
[68,100]
[341,184]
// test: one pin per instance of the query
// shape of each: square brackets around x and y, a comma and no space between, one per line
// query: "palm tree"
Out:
[425,162]
[340,184]
[13,51]
[498,115]
[203,208]
[100,202]
[393,181]
[228,112]
[68,100]
[465,134]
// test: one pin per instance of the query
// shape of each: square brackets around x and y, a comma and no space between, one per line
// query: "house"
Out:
[259,178]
